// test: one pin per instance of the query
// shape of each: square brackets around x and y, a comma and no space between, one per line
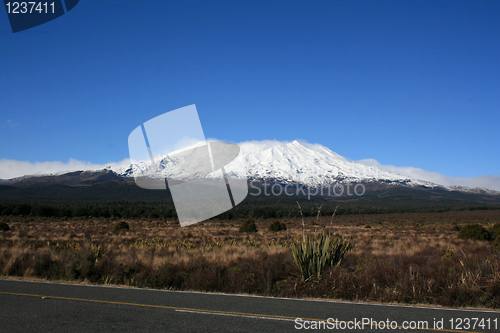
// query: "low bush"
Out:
[496,244]
[80,264]
[495,231]
[277,226]
[248,225]
[122,225]
[450,253]
[4,226]
[473,231]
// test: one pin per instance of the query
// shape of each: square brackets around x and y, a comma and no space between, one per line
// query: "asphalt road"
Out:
[54,307]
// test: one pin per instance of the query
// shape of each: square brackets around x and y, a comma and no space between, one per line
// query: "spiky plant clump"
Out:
[315,253]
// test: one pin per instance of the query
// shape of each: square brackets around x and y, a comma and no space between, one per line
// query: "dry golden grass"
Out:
[387,234]
[404,258]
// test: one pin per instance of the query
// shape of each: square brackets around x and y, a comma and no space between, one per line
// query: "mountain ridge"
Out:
[293,162]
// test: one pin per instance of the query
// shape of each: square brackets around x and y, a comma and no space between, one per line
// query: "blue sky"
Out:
[407,83]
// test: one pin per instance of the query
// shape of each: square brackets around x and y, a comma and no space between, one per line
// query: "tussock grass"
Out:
[405,258]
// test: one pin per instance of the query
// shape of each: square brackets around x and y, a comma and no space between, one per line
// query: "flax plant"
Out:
[315,253]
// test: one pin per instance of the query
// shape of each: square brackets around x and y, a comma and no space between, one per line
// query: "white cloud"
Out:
[255,145]
[10,123]
[487,181]
[11,168]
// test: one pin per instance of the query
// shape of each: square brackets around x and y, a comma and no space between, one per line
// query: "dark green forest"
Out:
[126,200]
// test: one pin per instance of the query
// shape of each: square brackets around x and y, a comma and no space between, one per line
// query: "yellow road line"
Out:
[192,310]
[147,305]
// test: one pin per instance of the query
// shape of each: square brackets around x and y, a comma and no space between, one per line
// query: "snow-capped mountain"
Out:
[292,162]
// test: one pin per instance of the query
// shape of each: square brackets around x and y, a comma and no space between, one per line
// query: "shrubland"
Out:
[408,258]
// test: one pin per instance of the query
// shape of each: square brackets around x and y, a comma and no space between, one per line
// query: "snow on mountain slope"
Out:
[307,164]
[290,162]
